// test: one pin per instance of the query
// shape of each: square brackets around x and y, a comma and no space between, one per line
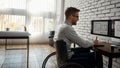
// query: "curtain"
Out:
[38,16]
[47,14]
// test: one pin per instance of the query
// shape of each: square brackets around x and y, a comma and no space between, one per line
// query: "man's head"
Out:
[72,15]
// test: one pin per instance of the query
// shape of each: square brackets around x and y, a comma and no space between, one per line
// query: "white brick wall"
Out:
[95,10]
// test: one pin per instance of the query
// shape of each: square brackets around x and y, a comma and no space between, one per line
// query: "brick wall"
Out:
[95,10]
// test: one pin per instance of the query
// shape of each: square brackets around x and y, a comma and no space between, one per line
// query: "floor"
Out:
[17,58]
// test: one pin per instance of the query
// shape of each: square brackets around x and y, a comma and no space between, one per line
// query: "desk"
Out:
[110,53]
[16,35]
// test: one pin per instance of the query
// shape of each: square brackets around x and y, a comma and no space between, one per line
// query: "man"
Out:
[67,33]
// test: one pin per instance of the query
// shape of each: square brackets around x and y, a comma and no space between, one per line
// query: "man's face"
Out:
[75,18]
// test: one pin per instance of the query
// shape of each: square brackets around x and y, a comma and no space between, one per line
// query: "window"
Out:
[36,24]
[42,17]
[40,24]
[13,22]
[16,4]
[12,14]
[41,6]
[49,24]
[17,13]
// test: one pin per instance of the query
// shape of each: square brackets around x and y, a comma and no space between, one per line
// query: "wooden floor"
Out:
[17,58]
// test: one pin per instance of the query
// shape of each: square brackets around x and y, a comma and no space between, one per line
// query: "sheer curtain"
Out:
[43,17]
[39,16]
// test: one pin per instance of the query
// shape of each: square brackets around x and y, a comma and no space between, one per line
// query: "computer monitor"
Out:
[116,28]
[101,27]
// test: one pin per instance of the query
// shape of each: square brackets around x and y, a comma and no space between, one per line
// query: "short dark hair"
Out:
[71,11]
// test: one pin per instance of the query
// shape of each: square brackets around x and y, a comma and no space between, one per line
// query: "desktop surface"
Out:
[108,50]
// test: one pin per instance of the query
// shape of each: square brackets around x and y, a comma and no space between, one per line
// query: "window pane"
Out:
[49,24]
[44,6]
[36,24]
[13,22]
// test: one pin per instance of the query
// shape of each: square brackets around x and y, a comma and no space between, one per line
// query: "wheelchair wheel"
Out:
[51,58]
[50,61]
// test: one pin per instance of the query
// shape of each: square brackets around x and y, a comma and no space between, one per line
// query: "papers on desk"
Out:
[116,46]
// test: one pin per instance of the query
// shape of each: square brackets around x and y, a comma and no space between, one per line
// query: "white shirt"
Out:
[67,33]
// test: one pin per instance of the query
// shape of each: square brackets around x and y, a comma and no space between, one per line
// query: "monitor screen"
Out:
[101,27]
[116,28]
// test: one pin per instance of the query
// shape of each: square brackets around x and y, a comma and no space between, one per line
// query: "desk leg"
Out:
[110,63]
[5,44]
[74,45]
[28,53]
[99,59]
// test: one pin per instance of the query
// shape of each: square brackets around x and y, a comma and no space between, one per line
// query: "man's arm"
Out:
[72,36]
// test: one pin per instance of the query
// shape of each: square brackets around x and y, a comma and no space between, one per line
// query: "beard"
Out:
[74,23]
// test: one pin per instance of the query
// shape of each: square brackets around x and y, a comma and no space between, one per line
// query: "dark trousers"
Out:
[99,60]
[88,59]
